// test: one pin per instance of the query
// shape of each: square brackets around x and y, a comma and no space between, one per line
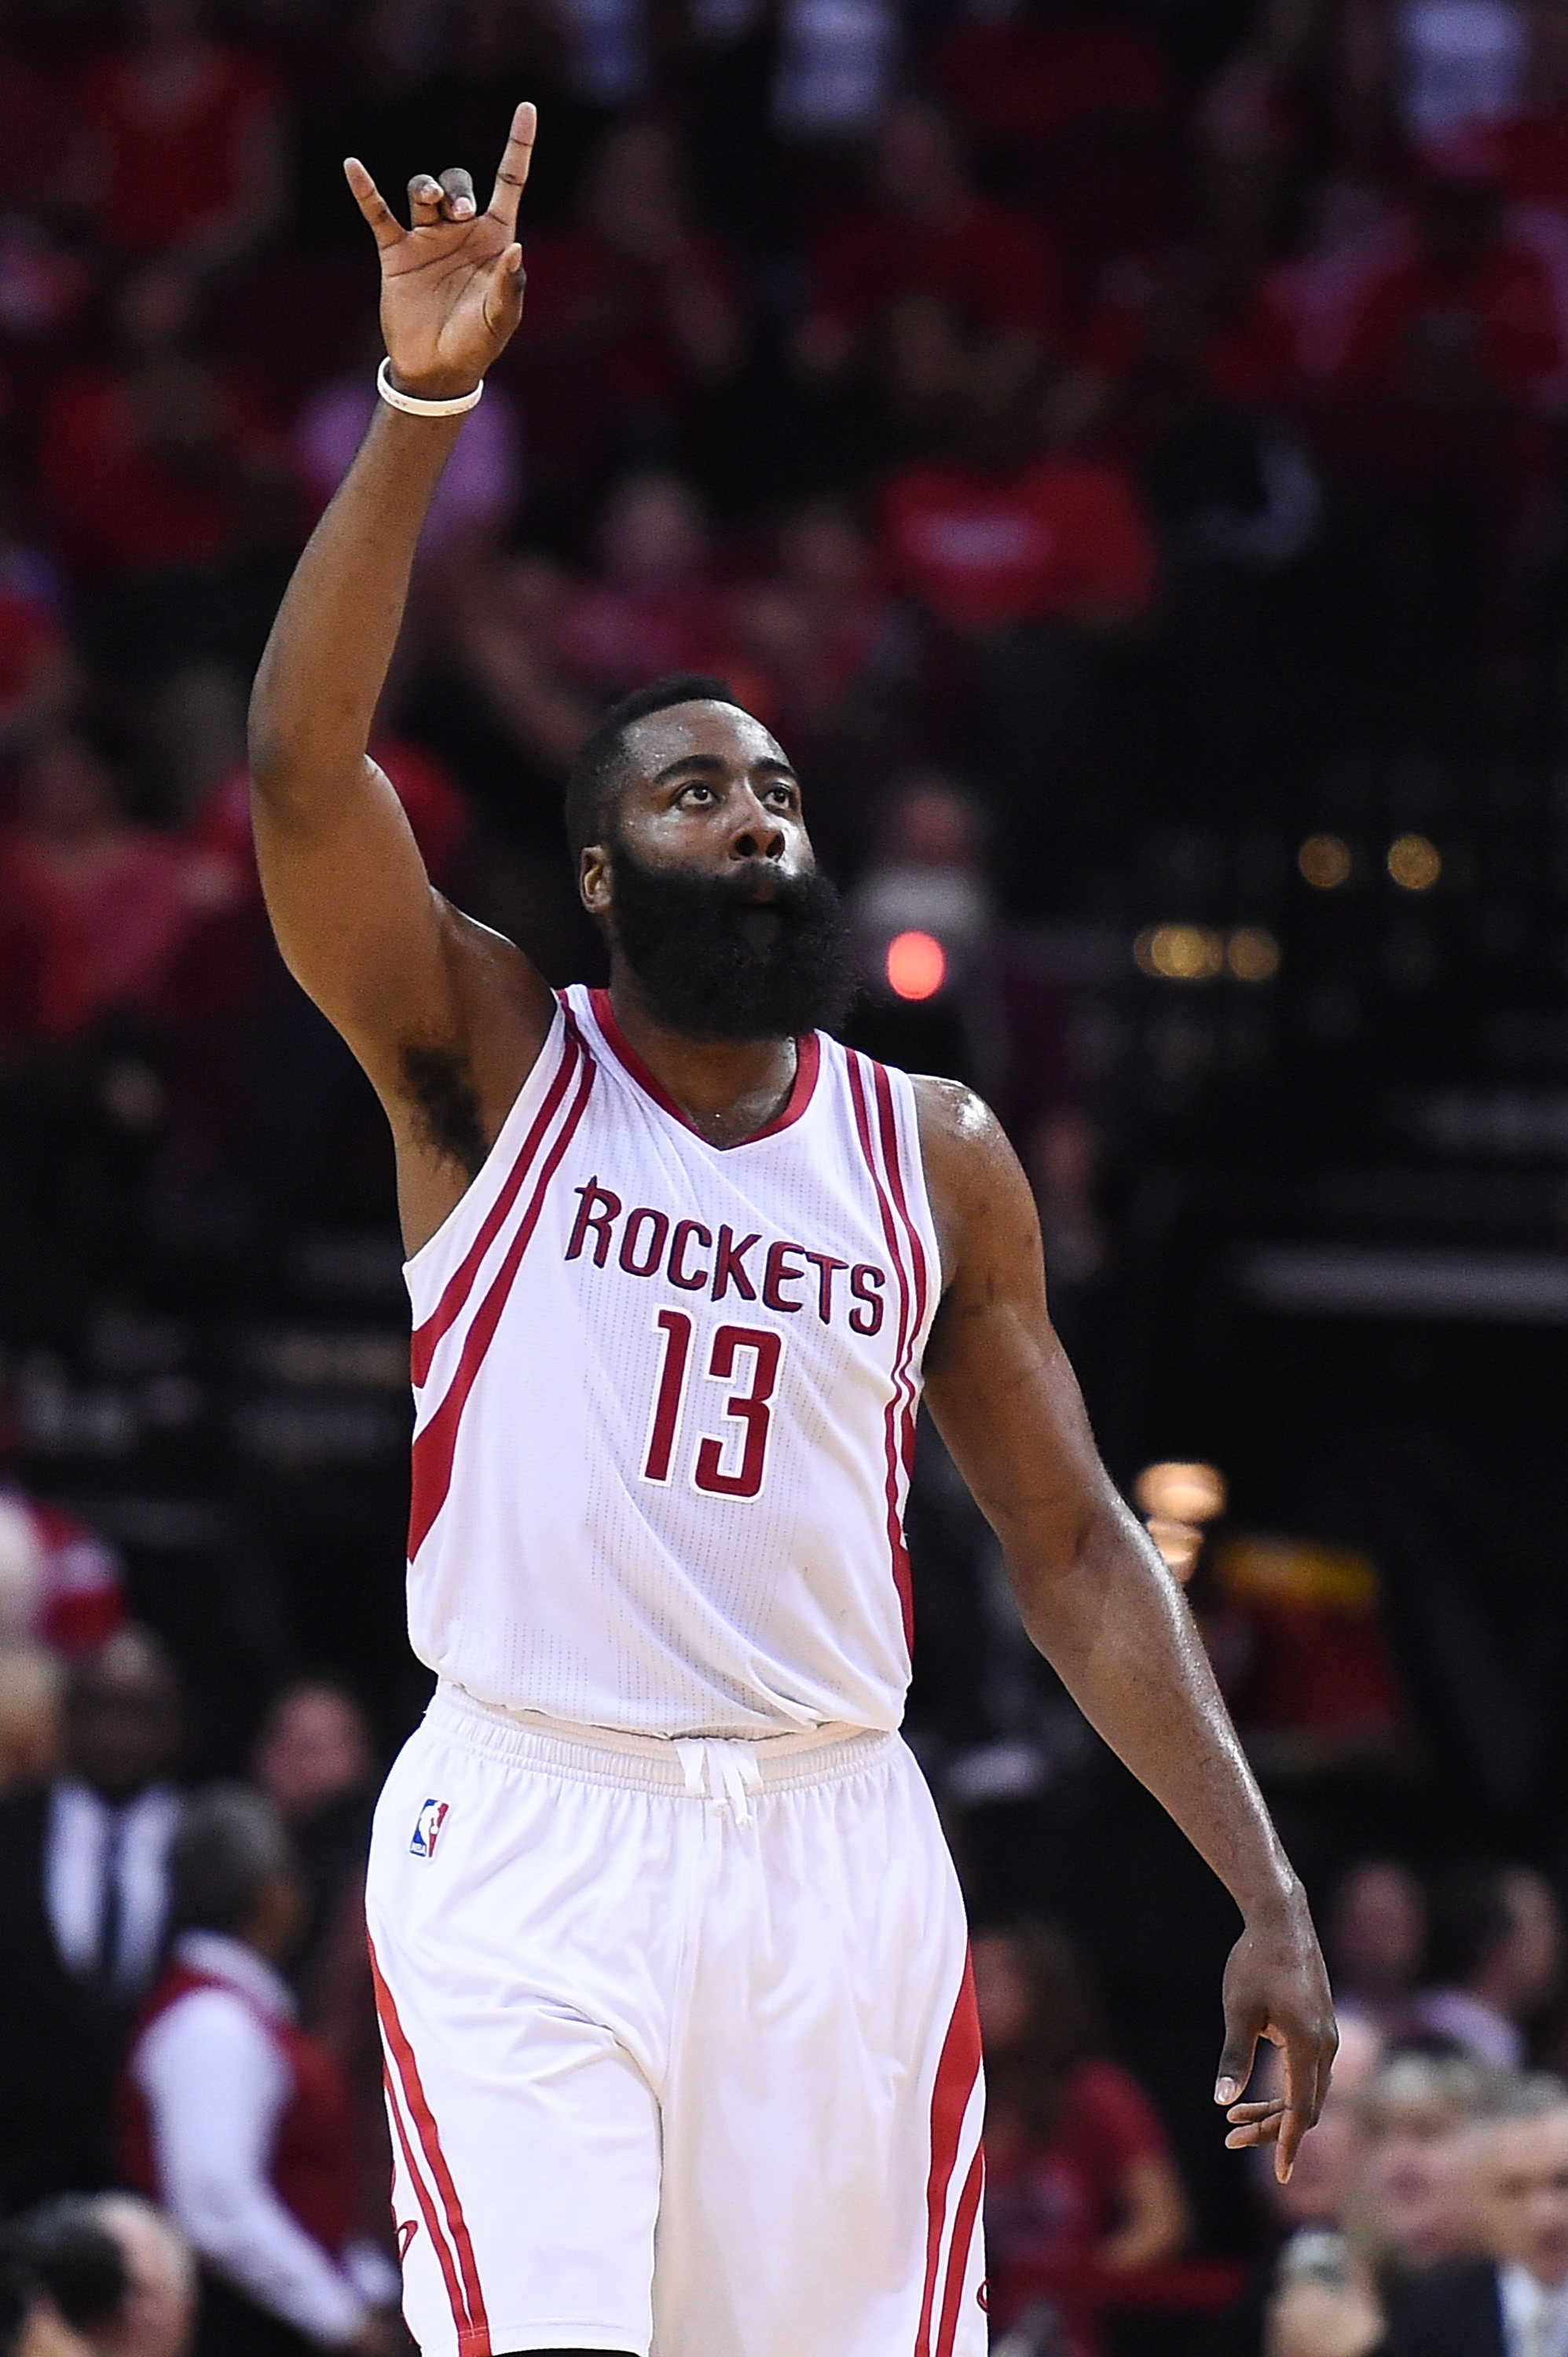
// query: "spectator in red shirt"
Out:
[183,151]
[633,321]
[94,908]
[1031,563]
[1465,322]
[60,1584]
[551,653]
[926,234]
[1076,108]
[157,460]
[1081,2192]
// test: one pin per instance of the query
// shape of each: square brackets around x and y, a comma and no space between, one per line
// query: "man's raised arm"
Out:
[1099,1604]
[437,1010]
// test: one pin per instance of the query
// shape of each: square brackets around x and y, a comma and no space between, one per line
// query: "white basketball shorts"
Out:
[682,2049]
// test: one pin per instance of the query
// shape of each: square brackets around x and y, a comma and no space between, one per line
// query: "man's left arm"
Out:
[1100,1604]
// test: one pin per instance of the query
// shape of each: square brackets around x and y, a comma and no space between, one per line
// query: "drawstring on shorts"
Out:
[721,1771]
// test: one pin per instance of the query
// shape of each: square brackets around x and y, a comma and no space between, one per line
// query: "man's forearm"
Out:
[1117,1630]
[327,660]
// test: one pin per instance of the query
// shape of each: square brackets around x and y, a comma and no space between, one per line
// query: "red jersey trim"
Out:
[450,1307]
[899,1417]
[436,1442]
[808,1064]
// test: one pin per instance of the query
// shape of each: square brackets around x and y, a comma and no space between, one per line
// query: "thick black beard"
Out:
[712,964]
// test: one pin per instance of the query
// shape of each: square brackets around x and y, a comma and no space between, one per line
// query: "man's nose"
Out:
[757,835]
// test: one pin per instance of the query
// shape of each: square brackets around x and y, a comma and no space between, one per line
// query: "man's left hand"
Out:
[1276,1988]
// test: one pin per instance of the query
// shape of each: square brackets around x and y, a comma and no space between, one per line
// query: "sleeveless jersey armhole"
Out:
[426,1270]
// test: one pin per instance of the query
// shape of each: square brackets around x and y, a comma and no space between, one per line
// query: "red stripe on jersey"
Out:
[468,2302]
[460,1285]
[889,1132]
[957,2073]
[959,2250]
[894,1418]
[436,1442]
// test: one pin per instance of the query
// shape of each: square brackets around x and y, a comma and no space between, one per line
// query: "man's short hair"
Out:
[231,1842]
[76,2259]
[599,769]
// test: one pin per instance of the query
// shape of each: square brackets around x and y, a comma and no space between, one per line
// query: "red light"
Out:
[917,965]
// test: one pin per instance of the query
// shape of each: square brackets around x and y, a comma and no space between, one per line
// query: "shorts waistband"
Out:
[717,1767]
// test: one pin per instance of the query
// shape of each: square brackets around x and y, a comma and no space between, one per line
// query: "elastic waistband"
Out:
[717,1767]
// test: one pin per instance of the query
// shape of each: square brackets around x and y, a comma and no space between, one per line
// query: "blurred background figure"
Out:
[117,2271]
[1513,2301]
[1316,2201]
[1375,1940]
[314,1763]
[156,2316]
[1080,2186]
[84,1902]
[1496,1962]
[234,2119]
[1412,2207]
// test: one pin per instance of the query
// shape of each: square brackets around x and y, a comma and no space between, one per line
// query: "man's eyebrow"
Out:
[712,765]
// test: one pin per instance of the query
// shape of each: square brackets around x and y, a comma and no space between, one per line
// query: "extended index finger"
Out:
[511,179]
[384,223]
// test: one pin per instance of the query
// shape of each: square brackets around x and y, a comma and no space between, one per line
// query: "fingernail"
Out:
[462,206]
[1226,2091]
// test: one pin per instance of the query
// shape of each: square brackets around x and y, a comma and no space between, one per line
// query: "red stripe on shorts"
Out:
[439,2243]
[436,1442]
[468,2302]
[957,2072]
[957,2252]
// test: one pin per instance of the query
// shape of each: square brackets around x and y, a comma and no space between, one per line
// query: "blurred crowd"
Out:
[193,2156]
[1057,419]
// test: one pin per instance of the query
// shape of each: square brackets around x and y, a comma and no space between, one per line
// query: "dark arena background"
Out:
[1118,445]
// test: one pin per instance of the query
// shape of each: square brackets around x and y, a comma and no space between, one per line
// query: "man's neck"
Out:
[728,1088]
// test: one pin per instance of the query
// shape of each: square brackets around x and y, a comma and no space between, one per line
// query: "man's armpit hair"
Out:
[438,1081]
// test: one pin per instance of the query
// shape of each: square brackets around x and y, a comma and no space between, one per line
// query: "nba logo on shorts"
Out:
[427,1829]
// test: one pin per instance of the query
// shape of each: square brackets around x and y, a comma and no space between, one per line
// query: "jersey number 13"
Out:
[747,1356]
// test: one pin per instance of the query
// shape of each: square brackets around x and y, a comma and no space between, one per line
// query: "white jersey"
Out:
[665,1398]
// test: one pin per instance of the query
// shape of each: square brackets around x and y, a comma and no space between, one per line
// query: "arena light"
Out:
[1179,952]
[1177,1498]
[917,965]
[1180,1543]
[1253,953]
[1325,862]
[1178,1492]
[1414,863]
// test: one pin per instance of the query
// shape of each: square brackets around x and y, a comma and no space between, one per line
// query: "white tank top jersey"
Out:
[665,1398]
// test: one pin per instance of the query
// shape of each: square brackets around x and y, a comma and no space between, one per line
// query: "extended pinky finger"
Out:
[371,203]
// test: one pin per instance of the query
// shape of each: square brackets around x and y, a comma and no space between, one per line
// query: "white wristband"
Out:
[414,407]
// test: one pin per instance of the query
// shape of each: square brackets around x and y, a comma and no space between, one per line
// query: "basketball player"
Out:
[681,2050]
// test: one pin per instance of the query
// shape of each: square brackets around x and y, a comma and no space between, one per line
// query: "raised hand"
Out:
[452,283]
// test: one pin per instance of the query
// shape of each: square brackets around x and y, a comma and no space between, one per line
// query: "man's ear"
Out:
[594,880]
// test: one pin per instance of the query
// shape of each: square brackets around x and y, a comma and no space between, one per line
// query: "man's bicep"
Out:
[358,923]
